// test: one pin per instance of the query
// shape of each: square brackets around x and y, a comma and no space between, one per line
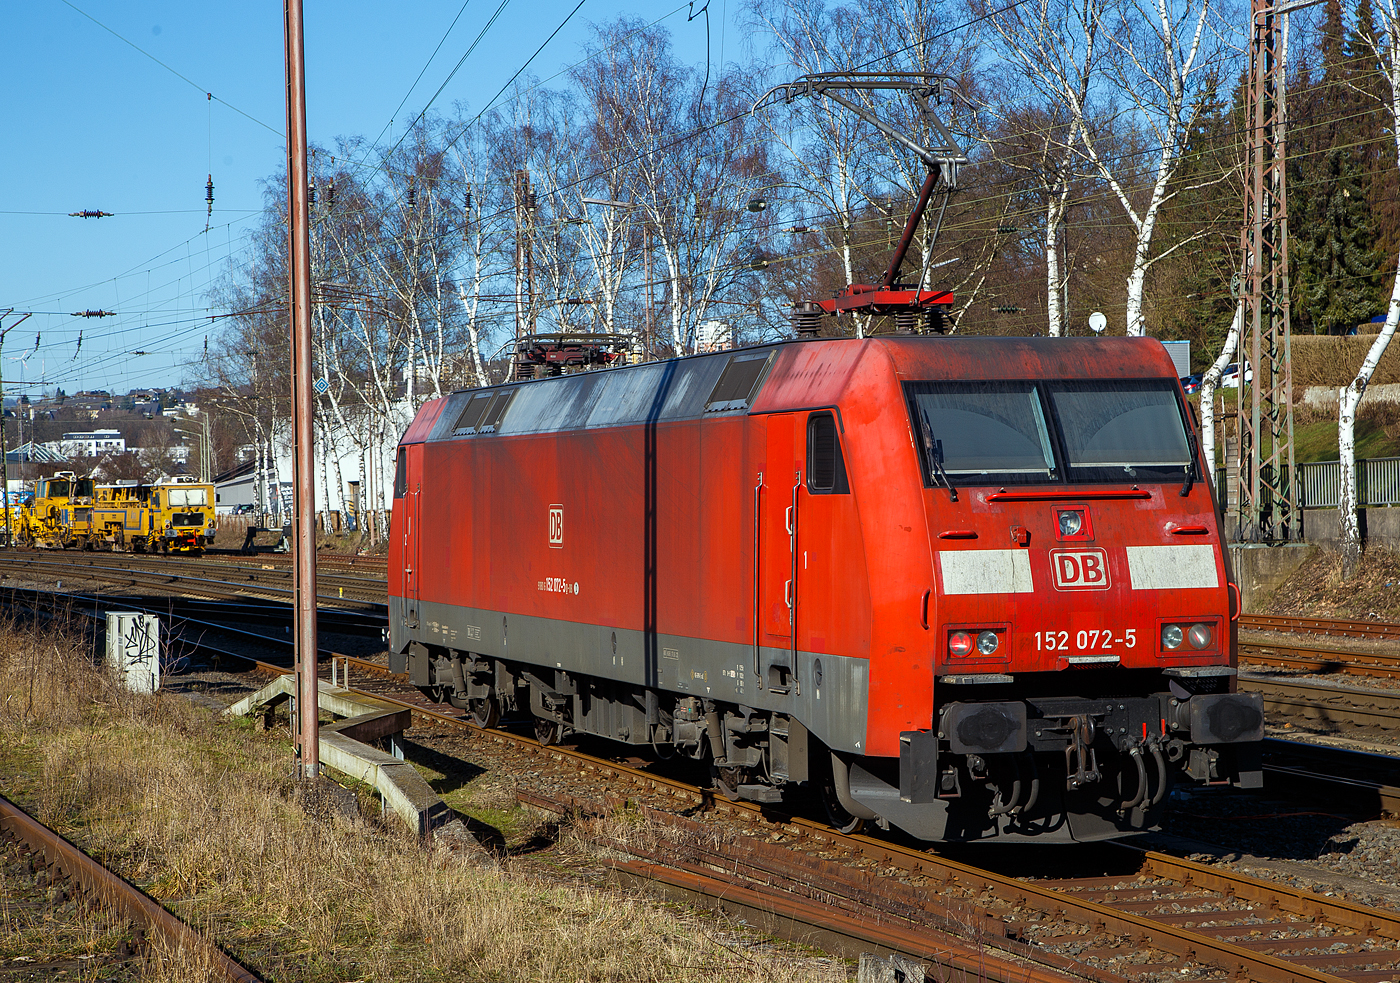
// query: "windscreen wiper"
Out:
[1190,469]
[935,457]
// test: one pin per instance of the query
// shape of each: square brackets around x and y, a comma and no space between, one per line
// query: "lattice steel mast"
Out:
[1268,503]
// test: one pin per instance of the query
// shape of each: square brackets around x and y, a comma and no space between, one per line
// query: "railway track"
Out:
[1385,665]
[1165,915]
[1372,781]
[1320,626]
[253,577]
[84,876]
[1333,707]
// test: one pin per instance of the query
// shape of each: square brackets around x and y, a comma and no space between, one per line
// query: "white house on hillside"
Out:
[88,444]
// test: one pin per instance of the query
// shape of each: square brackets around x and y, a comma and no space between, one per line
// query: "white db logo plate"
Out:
[556,526]
[1085,569]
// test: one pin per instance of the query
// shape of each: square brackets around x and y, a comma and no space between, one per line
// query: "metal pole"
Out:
[649,334]
[304,490]
[4,457]
[4,454]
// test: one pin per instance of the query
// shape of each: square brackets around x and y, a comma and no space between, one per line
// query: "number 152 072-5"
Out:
[1084,640]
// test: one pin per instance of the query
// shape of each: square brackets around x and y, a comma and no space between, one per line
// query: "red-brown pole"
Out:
[308,732]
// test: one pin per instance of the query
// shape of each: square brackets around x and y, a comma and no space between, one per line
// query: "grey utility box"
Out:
[133,649]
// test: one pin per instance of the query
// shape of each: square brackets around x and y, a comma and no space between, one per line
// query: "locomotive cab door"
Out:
[407,495]
[777,542]
[412,539]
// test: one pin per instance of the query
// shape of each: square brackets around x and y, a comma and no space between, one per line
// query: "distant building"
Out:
[713,336]
[92,443]
[236,487]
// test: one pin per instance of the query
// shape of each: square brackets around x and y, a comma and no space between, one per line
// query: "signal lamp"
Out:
[987,642]
[1071,523]
[960,643]
[1199,636]
[1172,636]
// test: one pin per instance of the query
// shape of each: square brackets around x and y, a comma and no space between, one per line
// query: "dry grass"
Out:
[200,813]
[1323,360]
[1317,589]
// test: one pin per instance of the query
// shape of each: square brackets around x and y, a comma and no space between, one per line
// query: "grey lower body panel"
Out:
[835,710]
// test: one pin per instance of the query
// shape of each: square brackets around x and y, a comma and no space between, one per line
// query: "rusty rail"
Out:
[1319,660]
[1320,626]
[1339,707]
[103,886]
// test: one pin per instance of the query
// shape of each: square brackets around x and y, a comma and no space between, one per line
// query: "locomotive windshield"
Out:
[1114,430]
[1040,432]
[984,428]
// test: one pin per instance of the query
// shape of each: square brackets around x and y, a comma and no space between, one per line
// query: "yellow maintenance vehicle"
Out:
[174,514]
[60,516]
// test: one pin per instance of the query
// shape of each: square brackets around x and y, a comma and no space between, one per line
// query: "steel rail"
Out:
[1342,771]
[1385,665]
[106,887]
[1320,626]
[1345,707]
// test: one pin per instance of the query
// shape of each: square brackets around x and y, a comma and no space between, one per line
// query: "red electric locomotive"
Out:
[968,587]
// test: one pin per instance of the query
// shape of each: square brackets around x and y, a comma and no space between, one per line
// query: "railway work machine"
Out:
[60,514]
[67,511]
[173,515]
[972,588]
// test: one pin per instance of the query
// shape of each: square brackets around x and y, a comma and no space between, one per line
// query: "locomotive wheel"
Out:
[546,731]
[487,713]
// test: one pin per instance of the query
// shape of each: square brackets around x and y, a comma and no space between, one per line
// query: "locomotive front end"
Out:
[1084,646]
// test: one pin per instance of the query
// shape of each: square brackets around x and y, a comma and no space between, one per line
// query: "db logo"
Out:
[1080,569]
[556,527]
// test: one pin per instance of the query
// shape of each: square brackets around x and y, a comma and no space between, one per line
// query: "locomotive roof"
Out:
[781,376]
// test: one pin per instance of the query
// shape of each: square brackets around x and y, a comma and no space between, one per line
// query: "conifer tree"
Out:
[1337,268]
[1381,178]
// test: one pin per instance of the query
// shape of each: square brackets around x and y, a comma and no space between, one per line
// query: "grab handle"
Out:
[923,610]
[1239,603]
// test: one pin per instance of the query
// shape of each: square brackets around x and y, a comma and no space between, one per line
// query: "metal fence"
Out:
[1377,478]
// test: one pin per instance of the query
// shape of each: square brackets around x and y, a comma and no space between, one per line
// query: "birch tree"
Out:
[828,150]
[1154,59]
[1384,45]
[1210,381]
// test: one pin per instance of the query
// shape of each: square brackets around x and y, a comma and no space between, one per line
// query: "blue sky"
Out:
[93,123]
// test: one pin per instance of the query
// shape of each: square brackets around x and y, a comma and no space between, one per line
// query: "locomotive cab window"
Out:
[826,467]
[401,475]
[1121,430]
[981,432]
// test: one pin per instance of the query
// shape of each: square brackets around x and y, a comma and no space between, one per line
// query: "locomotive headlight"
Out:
[1199,636]
[987,642]
[959,643]
[1172,636]
[1071,523]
